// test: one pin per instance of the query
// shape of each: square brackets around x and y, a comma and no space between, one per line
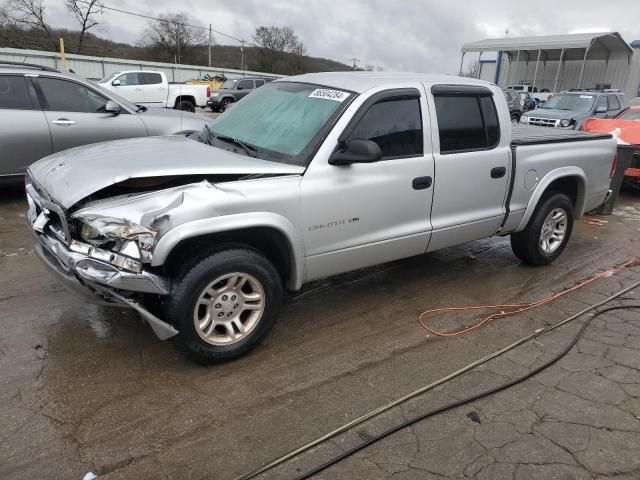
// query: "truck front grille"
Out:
[544,122]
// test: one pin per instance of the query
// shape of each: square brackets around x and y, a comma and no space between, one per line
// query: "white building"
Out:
[560,62]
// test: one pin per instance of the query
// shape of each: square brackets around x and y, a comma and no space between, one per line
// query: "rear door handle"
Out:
[63,122]
[421,183]
[498,172]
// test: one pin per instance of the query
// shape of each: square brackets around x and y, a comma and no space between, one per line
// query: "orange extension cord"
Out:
[513,308]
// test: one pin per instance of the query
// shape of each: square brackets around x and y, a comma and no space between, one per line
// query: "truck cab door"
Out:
[76,115]
[154,88]
[369,213]
[128,85]
[473,164]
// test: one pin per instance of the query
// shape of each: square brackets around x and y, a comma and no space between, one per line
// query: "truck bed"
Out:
[531,135]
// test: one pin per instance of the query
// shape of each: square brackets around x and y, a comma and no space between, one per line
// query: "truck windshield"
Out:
[575,102]
[282,121]
[108,77]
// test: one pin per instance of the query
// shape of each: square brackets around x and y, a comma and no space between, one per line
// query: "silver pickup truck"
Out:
[307,177]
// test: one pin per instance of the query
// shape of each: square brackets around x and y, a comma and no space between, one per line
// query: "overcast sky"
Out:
[407,35]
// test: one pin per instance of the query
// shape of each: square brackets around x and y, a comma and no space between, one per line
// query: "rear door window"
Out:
[245,85]
[259,83]
[466,122]
[14,93]
[395,125]
[151,78]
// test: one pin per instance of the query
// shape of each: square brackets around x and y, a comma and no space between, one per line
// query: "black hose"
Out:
[457,403]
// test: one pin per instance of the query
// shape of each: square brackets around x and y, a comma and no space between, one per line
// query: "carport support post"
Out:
[461,62]
[584,60]
[555,82]
[535,73]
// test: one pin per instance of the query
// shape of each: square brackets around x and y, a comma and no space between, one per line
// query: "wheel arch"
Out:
[569,180]
[272,235]
[179,98]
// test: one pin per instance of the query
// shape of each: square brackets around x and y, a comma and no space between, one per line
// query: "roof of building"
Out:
[362,81]
[601,46]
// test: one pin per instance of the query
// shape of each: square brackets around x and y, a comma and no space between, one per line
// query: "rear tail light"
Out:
[614,164]
[208,92]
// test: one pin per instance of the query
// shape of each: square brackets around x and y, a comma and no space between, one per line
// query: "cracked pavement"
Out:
[90,389]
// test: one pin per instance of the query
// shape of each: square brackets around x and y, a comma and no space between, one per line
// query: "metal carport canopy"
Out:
[601,46]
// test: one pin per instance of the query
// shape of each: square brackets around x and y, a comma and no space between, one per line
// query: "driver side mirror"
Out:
[356,151]
[116,83]
[112,107]
[601,109]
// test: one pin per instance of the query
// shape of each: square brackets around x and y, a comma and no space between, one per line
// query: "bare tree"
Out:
[173,35]
[274,44]
[85,12]
[473,70]
[31,15]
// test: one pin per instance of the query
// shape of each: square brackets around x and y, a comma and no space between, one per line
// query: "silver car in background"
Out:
[43,111]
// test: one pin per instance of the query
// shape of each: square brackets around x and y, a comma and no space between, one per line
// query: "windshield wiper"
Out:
[251,151]
[210,137]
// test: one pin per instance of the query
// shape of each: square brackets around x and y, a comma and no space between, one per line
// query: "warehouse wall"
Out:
[99,67]
[633,80]
[596,72]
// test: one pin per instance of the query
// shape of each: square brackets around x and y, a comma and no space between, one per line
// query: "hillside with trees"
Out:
[24,24]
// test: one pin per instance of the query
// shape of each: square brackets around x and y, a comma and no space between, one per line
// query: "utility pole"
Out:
[63,59]
[209,44]
[242,55]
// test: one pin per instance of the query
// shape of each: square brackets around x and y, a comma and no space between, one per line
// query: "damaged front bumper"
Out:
[95,280]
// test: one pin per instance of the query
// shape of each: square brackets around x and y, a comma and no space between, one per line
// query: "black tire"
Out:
[526,245]
[224,104]
[188,287]
[186,105]
[515,117]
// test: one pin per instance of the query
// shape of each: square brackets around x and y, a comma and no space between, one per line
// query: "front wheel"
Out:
[547,233]
[224,305]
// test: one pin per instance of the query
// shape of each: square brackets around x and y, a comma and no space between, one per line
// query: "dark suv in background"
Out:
[233,90]
[569,109]
[514,101]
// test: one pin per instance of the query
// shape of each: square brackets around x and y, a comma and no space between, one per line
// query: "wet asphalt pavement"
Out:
[84,388]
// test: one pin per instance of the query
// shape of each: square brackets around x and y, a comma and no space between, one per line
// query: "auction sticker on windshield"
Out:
[337,95]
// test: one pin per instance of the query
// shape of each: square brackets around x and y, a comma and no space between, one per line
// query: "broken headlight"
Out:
[118,235]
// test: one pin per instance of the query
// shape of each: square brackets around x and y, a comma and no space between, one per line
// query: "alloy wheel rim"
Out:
[554,230]
[229,308]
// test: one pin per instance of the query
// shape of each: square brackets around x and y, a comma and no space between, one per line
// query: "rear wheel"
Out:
[547,233]
[224,305]
[186,105]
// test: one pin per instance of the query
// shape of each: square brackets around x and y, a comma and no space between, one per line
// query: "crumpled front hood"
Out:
[74,174]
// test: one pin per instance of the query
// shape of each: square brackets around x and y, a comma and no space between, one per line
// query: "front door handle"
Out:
[498,172]
[63,122]
[421,183]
